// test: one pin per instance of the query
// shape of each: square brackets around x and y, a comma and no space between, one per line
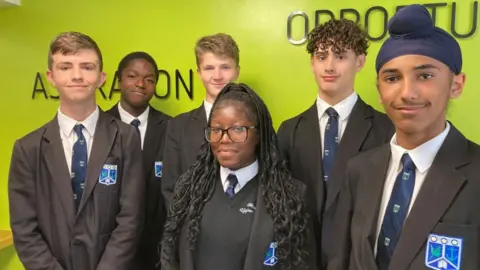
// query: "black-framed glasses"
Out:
[237,134]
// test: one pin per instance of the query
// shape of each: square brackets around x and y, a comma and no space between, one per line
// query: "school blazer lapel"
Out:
[103,139]
[261,236]
[152,141]
[440,188]
[358,127]
[54,156]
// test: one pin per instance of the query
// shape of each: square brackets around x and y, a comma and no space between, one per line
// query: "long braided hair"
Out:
[281,195]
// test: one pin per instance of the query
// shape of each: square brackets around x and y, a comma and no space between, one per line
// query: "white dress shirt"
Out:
[244,175]
[143,118]
[208,108]
[69,137]
[344,109]
[422,157]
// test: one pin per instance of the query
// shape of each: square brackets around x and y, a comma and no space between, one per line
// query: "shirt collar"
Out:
[67,123]
[208,107]
[423,155]
[128,118]
[343,108]
[244,174]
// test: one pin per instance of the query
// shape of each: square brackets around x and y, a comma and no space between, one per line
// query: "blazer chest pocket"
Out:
[453,246]
[109,179]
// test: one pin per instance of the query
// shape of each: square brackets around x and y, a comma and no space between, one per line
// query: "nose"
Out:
[409,89]
[329,65]
[140,84]
[218,75]
[225,138]
[77,74]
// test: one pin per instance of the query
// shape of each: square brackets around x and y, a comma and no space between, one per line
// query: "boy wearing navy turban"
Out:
[412,203]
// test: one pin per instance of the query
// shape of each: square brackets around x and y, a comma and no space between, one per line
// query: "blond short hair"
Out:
[72,42]
[219,44]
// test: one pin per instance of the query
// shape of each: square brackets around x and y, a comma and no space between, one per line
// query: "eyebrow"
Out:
[425,66]
[420,67]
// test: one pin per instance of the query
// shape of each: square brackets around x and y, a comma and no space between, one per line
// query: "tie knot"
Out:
[331,112]
[135,122]
[78,130]
[232,180]
[407,162]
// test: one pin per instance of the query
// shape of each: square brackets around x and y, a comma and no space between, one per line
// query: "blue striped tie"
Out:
[330,143]
[396,212]
[232,183]
[79,164]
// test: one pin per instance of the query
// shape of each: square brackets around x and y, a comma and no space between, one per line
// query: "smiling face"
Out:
[415,91]
[137,83]
[335,72]
[76,76]
[230,154]
[216,71]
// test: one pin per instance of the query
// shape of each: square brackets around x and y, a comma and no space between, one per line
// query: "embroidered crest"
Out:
[158,168]
[108,176]
[443,252]
[271,256]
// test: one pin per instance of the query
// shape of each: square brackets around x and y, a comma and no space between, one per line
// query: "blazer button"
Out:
[76,242]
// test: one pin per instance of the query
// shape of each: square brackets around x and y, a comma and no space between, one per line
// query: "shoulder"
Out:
[33,138]
[291,123]
[159,115]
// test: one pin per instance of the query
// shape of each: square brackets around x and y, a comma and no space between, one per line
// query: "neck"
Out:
[133,111]
[76,111]
[210,99]
[334,98]
[412,140]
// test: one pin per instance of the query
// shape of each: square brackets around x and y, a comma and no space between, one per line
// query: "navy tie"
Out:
[396,212]
[232,183]
[136,123]
[330,144]
[79,164]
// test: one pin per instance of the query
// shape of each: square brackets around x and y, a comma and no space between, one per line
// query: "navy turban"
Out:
[412,32]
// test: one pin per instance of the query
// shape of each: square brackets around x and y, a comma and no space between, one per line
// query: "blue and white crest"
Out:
[443,253]
[108,176]
[271,256]
[158,168]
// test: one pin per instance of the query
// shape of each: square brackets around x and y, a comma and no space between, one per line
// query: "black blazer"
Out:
[445,205]
[147,254]
[260,238]
[48,232]
[300,145]
[183,142]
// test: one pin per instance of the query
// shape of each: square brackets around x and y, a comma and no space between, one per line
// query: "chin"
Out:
[228,163]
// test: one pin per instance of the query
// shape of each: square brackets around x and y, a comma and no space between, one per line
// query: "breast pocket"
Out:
[453,246]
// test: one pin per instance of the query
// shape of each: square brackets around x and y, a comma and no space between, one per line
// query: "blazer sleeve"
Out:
[340,258]
[32,249]
[172,166]
[122,246]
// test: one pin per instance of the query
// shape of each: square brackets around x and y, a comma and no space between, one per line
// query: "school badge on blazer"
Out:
[108,176]
[271,256]
[443,252]
[158,168]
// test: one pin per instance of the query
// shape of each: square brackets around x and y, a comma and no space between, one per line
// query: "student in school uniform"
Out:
[237,207]
[137,80]
[318,143]
[218,63]
[412,203]
[76,185]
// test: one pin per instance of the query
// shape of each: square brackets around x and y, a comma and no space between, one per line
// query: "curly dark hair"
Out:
[282,197]
[340,34]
